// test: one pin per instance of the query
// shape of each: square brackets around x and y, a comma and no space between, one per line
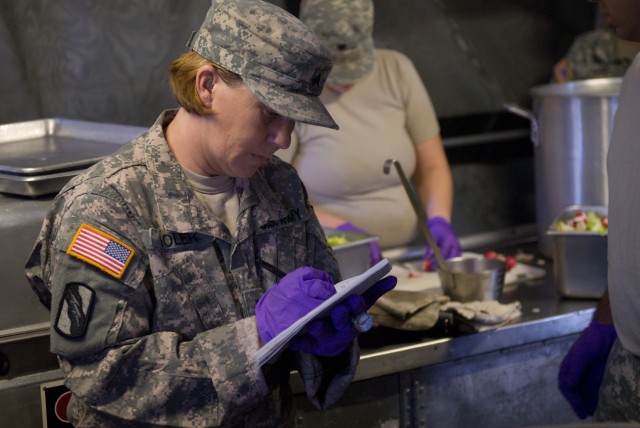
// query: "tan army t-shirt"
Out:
[383,116]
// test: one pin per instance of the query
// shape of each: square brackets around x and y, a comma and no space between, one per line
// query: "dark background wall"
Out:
[106,61]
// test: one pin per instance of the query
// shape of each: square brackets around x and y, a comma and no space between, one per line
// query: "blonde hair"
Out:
[182,76]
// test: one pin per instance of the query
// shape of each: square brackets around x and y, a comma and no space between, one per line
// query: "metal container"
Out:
[580,258]
[39,157]
[473,278]
[354,256]
[25,360]
[570,127]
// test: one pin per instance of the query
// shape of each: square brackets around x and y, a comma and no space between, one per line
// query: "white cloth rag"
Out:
[408,310]
[485,315]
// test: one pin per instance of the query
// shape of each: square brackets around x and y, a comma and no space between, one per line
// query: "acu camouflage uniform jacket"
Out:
[162,331]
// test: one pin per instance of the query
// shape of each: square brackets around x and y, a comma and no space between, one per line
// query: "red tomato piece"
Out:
[490,255]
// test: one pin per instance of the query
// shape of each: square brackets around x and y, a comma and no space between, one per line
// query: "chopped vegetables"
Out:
[335,240]
[582,221]
[510,261]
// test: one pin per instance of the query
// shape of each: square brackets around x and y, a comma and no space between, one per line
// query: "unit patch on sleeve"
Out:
[101,250]
[73,314]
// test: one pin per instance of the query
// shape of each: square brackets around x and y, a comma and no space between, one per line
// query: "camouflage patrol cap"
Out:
[283,62]
[346,27]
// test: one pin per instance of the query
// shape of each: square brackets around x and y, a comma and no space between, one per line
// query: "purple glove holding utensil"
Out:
[304,289]
[582,369]
[332,336]
[375,253]
[292,297]
[445,239]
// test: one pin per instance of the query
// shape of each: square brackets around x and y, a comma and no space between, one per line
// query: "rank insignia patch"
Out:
[101,250]
[73,315]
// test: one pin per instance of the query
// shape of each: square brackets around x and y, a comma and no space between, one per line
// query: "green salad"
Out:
[335,240]
[589,221]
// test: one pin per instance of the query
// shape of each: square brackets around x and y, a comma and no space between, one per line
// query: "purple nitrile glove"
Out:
[374,248]
[291,298]
[445,239]
[331,336]
[582,369]
[328,337]
[378,289]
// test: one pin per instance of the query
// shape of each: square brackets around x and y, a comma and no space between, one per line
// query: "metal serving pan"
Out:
[353,255]
[35,185]
[579,257]
[38,157]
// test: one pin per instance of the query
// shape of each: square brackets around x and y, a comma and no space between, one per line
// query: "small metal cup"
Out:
[470,278]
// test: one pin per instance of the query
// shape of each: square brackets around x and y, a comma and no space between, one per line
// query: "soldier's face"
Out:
[623,16]
[251,132]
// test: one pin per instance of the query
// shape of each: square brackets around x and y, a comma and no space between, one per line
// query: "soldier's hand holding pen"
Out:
[303,290]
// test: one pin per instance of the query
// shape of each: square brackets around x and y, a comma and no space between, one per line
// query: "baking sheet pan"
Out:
[37,185]
[38,157]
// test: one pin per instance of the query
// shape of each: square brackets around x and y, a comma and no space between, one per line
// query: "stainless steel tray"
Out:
[354,255]
[38,157]
[36,185]
[579,257]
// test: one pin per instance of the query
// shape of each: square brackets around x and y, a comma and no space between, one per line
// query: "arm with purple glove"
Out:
[445,239]
[434,185]
[304,289]
[582,369]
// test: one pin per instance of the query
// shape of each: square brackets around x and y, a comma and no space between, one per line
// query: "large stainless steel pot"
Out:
[570,128]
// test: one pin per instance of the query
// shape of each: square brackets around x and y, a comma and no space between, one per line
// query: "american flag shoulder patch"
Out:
[101,250]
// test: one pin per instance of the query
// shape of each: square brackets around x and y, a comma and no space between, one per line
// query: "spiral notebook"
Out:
[357,284]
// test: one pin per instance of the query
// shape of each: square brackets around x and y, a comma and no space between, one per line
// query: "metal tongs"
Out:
[418,208]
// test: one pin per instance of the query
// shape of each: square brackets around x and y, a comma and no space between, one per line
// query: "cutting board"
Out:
[412,277]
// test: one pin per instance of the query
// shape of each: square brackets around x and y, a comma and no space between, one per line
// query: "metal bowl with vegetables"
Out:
[351,250]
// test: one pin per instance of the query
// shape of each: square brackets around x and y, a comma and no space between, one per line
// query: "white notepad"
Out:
[357,284]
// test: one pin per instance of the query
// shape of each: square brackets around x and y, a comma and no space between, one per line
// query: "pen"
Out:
[361,322]
[271,268]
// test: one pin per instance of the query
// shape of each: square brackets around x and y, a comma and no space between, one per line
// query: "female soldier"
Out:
[152,261]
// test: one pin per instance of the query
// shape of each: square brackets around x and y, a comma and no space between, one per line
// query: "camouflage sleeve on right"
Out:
[618,399]
[325,379]
[596,54]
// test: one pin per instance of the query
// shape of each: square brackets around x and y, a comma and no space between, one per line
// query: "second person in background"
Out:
[384,111]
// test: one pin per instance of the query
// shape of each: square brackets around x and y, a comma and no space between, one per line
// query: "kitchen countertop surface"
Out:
[546,315]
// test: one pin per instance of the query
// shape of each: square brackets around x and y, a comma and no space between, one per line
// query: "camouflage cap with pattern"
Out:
[346,27]
[279,58]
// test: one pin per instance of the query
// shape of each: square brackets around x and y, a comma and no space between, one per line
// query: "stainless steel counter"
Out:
[505,377]
[20,222]
[397,370]
[545,315]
